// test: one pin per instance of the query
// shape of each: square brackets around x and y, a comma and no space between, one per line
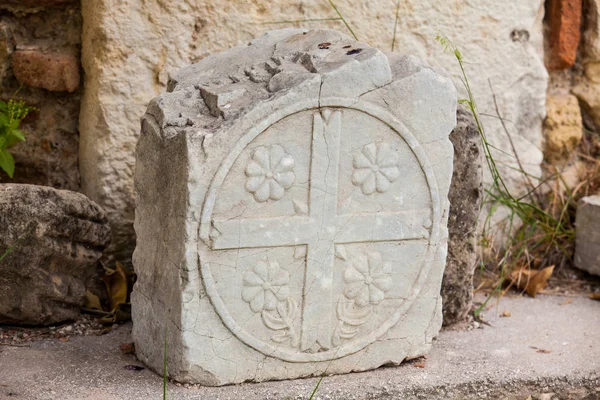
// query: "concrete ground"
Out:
[546,349]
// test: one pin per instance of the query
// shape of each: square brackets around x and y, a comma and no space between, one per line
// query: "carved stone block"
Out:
[292,211]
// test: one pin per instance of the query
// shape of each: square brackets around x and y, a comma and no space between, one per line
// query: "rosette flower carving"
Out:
[265,286]
[367,279]
[270,173]
[375,168]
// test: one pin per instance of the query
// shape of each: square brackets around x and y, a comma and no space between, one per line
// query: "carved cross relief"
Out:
[323,231]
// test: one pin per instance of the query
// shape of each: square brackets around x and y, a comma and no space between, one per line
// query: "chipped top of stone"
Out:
[594,200]
[210,93]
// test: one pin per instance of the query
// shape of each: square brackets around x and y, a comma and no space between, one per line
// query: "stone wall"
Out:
[132,47]
[39,63]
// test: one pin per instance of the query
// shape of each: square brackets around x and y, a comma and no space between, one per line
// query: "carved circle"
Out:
[355,345]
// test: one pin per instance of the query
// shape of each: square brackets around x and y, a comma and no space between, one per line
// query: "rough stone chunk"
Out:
[587,247]
[465,203]
[292,203]
[563,127]
[588,90]
[565,22]
[56,72]
[57,237]
[6,49]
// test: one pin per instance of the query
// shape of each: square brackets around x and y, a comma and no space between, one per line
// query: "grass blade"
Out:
[295,21]
[343,19]
[396,24]
[15,244]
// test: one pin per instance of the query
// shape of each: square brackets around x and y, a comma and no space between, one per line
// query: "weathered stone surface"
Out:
[587,249]
[588,90]
[563,128]
[564,18]
[49,157]
[128,58]
[300,224]
[56,72]
[591,34]
[57,236]
[465,204]
[6,49]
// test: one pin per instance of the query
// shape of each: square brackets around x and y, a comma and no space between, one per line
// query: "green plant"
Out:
[11,115]
[539,229]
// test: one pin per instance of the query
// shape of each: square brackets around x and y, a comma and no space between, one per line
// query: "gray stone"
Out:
[292,211]
[465,204]
[57,236]
[587,241]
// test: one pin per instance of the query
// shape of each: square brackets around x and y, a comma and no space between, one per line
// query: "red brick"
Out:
[56,72]
[564,18]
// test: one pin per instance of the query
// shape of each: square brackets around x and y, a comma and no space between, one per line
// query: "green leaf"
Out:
[17,134]
[3,106]
[7,162]
[458,54]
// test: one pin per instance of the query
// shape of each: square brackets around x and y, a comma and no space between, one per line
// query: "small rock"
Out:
[587,247]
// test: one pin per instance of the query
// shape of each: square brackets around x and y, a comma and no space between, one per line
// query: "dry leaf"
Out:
[532,281]
[64,339]
[92,301]
[595,296]
[116,285]
[538,350]
[568,301]
[127,348]
[121,313]
[419,365]
[505,314]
